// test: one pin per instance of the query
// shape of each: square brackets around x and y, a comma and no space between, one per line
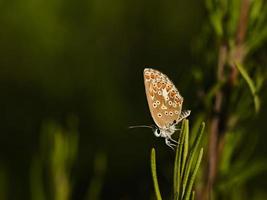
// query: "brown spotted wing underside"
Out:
[164,100]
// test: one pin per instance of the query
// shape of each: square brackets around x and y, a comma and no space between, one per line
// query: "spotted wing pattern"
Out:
[164,100]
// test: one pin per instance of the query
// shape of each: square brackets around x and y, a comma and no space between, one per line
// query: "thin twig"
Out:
[238,54]
[243,22]
[215,123]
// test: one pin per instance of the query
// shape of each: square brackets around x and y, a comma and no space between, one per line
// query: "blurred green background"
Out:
[71,83]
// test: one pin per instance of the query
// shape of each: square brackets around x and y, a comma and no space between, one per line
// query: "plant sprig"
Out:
[184,171]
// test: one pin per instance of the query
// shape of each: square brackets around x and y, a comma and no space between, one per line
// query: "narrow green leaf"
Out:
[195,129]
[231,140]
[193,177]
[256,103]
[246,77]
[233,12]
[154,174]
[191,157]
[251,85]
[256,8]
[216,21]
[180,151]
[259,38]
[258,32]
[193,195]
[176,173]
[211,93]
[185,145]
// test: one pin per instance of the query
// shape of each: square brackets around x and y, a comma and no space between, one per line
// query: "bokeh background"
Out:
[71,83]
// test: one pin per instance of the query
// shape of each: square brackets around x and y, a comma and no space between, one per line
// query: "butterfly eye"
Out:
[176,112]
[170,103]
[154,105]
[166,113]
[157,102]
[170,113]
[174,121]
[174,105]
[159,115]
[157,133]
[159,93]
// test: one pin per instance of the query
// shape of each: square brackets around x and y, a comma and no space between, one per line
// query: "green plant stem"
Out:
[185,149]
[176,172]
[178,159]
[193,195]
[154,174]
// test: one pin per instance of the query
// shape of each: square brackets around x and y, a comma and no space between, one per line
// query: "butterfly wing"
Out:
[164,100]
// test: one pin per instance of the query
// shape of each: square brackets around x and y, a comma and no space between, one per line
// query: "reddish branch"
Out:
[243,22]
[238,53]
[215,122]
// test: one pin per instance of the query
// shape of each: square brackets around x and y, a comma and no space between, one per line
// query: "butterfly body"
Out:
[165,104]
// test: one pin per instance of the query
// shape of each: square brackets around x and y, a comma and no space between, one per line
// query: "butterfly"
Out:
[165,104]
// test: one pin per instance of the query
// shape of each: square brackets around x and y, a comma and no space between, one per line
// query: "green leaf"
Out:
[178,160]
[192,156]
[257,40]
[231,141]
[216,14]
[211,93]
[233,12]
[193,177]
[195,129]
[186,143]
[216,21]
[193,195]
[256,8]
[154,174]
[251,85]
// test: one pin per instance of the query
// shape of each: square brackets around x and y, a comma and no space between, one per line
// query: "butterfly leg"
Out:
[168,143]
[168,135]
[172,140]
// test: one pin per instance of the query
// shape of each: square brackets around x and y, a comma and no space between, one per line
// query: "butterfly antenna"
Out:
[141,126]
